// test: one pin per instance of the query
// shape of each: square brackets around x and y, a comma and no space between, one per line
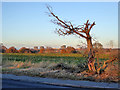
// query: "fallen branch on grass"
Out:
[105,64]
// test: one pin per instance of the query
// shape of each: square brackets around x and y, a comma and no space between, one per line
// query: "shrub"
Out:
[12,50]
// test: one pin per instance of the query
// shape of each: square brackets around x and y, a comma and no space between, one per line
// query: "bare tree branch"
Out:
[69,28]
[91,27]
[80,34]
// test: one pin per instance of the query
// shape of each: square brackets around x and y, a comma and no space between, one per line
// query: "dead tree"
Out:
[67,28]
[82,30]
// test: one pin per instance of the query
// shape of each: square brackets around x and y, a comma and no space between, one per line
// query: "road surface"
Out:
[24,84]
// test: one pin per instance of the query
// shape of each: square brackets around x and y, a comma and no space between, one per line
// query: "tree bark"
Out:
[89,44]
[91,60]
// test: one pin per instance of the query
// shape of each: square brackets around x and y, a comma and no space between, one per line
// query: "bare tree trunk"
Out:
[91,60]
[89,44]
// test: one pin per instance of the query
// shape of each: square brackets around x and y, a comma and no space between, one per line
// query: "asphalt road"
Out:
[24,85]
[12,84]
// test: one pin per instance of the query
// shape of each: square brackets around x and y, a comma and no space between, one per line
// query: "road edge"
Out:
[59,82]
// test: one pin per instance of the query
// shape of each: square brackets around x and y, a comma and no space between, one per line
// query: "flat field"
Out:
[56,65]
[51,57]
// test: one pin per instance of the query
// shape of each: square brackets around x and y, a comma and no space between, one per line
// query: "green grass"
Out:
[36,58]
[51,57]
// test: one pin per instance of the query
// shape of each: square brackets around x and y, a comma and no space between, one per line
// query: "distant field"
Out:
[36,58]
[51,57]
[46,54]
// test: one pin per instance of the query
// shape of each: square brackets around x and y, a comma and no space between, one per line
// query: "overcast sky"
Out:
[27,24]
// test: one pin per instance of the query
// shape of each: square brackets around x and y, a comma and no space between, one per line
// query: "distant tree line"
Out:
[42,49]
[63,49]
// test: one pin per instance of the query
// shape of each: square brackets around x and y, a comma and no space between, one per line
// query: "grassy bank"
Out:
[64,66]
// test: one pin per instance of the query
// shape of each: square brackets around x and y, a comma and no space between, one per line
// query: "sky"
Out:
[27,23]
